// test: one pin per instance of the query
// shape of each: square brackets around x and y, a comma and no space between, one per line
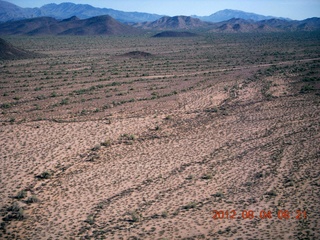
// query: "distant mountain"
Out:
[237,25]
[106,25]
[310,24]
[11,12]
[10,52]
[175,34]
[89,20]
[227,14]
[101,25]
[177,22]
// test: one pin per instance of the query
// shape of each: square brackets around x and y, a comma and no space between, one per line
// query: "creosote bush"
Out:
[135,217]
[190,205]
[96,147]
[17,212]
[21,194]
[45,175]
[164,214]
[90,219]
[130,137]
[32,199]
[207,176]
[106,143]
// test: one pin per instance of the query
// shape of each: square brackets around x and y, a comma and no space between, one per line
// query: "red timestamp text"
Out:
[263,214]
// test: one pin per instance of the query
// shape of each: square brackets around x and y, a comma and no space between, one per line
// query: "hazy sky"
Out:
[294,9]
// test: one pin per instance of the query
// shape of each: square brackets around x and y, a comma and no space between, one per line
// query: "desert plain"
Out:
[145,138]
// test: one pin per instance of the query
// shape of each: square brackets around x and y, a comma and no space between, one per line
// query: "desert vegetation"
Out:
[142,138]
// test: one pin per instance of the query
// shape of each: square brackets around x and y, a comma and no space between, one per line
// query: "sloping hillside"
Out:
[101,25]
[10,52]
[175,34]
[237,25]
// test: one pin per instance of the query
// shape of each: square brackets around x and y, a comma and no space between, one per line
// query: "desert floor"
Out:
[145,138]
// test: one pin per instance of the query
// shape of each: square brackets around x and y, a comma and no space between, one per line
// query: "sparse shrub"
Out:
[258,175]
[45,175]
[106,143]
[207,176]
[21,194]
[135,217]
[32,199]
[40,97]
[5,105]
[130,137]
[53,94]
[288,182]
[218,194]
[190,177]
[190,205]
[14,207]
[212,110]
[311,79]
[83,112]
[164,214]
[92,157]
[90,219]
[268,96]
[96,147]
[64,101]
[271,193]
[17,212]
[157,128]
[307,88]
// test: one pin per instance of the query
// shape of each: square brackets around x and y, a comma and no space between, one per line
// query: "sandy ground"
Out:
[158,169]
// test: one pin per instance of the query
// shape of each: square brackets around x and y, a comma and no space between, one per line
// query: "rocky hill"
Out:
[176,22]
[237,25]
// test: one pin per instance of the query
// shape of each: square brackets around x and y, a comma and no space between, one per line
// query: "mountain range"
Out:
[106,25]
[227,14]
[101,25]
[11,12]
[232,21]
